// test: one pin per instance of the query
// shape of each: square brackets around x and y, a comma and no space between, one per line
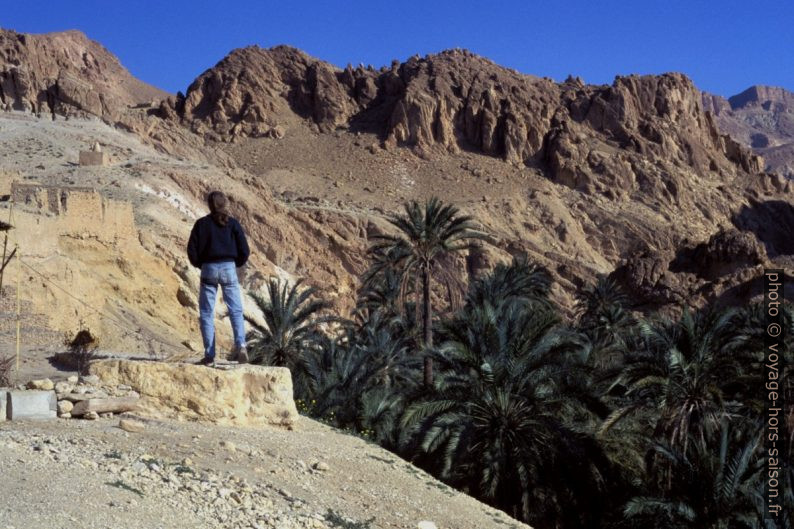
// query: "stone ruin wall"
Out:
[79,212]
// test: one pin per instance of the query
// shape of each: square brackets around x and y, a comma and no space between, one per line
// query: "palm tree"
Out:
[357,380]
[292,323]
[521,279]
[600,308]
[381,291]
[501,423]
[682,368]
[428,236]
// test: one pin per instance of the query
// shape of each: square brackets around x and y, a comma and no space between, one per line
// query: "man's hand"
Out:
[242,273]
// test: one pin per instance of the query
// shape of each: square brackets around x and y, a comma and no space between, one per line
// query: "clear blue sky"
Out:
[724,46]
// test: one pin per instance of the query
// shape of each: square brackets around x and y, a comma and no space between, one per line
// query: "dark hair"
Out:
[218,204]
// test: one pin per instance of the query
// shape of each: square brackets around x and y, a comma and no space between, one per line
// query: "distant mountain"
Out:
[761,117]
[66,73]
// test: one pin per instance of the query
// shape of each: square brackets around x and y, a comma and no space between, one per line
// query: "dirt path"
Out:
[91,474]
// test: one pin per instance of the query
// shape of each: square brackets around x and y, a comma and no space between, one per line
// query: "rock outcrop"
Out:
[66,74]
[457,100]
[242,395]
[696,272]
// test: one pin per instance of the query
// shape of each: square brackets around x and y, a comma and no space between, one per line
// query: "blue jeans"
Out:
[223,275]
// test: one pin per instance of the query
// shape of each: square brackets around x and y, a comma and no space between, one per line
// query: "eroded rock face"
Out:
[255,92]
[66,74]
[245,395]
[648,277]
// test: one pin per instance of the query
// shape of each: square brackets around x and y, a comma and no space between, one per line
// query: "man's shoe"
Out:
[242,355]
[207,361]
[239,355]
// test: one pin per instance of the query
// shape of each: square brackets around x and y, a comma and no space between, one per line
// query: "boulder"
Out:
[90,379]
[244,395]
[63,387]
[78,397]
[45,384]
[129,425]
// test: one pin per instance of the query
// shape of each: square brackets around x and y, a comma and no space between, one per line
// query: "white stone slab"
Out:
[3,404]
[32,405]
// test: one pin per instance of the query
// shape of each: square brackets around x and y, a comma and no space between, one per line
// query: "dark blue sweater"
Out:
[212,243]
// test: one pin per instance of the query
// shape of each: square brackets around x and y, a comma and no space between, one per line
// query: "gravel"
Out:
[92,474]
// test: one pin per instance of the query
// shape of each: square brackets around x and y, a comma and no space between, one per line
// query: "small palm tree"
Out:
[428,236]
[292,323]
[716,484]
[352,382]
[521,279]
[381,292]
[600,308]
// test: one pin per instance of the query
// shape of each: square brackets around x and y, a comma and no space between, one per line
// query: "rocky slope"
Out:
[630,179]
[113,254]
[761,117]
[177,474]
[170,453]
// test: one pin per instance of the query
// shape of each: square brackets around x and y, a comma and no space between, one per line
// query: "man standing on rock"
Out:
[218,246]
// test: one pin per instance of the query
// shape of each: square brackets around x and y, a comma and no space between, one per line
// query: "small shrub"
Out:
[82,349]
[342,522]
[6,368]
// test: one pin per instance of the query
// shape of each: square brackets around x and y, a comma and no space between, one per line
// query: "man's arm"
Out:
[192,247]
[243,251]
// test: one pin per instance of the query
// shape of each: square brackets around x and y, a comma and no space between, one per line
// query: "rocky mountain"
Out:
[761,117]
[456,100]
[632,179]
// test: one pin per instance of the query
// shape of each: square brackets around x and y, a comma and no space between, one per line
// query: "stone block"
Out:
[32,405]
[93,158]
[118,404]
